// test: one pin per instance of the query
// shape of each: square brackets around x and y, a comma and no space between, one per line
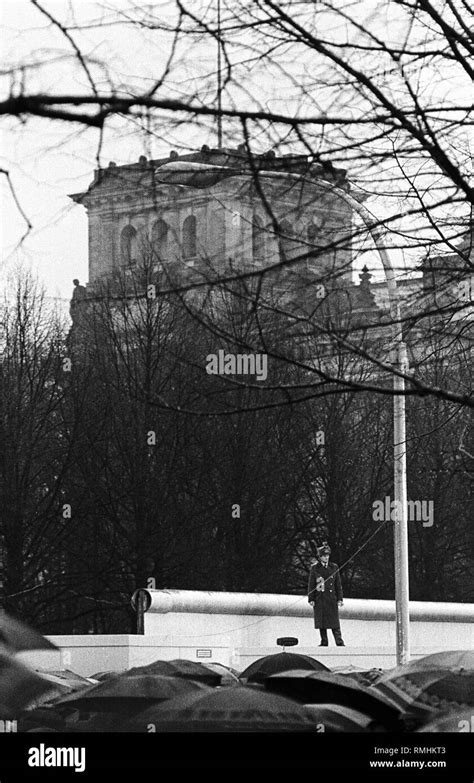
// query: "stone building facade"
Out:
[203,216]
[207,211]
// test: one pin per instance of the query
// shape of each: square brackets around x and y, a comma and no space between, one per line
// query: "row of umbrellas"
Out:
[20,687]
[281,692]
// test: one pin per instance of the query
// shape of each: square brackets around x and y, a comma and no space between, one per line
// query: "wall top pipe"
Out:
[213,602]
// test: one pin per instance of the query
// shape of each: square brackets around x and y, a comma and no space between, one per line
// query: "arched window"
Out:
[128,246]
[316,241]
[312,233]
[258,238]
[189,237]
[286,241]
[159,239]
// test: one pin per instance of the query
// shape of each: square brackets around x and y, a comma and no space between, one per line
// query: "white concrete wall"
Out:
[248,624]
[237,628]
[87,654]
[244,620]
[234,630]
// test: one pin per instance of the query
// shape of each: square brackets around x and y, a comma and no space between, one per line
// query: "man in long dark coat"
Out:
[325,596]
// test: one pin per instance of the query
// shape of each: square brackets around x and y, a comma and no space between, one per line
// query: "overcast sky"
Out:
[48,160]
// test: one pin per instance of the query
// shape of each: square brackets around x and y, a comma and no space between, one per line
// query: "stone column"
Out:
[110,245]
[95,246]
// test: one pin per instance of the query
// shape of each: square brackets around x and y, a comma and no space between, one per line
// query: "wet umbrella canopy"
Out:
[111,707]
[456,660]
[428,689]
[17,636]
[228,677]
[19,687]
[58,689]
[336,717]
[280,662]
[455,721]
[449,659]
[178,668]
[71,680]
[41,718]
[101,676]
[326,687]
[225,710]
[117,693]
[362,676]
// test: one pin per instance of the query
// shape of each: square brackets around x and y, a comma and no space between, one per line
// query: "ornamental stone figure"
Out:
[76,309]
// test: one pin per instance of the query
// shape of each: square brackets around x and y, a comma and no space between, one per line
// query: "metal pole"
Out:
[400,529]
[141,608]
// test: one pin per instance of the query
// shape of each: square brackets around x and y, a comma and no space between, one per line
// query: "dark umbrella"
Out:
[327,687]
[429,689]
[41,718]
[336,718]
[456,660]
[228,677]
[259,670]
[449,659]
[57,690]
[362,676]
[73,681]
[188,670]
[43,730]
[119,699]
[119,692]
[19,687]
[225,710]
[101,676]
[63,683]
[455,721]
[17,636]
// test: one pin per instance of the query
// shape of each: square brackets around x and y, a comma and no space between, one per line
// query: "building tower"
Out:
[203,213]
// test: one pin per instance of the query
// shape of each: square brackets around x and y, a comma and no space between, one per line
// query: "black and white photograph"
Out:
[236,388]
